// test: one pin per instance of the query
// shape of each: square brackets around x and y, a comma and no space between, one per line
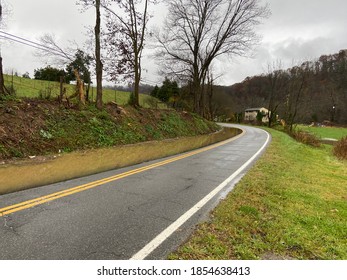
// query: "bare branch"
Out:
[196,32]
[53,52]
[125,40]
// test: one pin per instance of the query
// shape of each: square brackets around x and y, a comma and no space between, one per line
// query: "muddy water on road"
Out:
[40,171]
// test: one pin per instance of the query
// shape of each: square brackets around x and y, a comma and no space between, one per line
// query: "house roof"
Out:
[254,109]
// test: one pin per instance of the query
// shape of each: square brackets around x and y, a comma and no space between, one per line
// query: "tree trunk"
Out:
[137,83]
[196,93]
[99,103]
[61,94]
[80,88]
[87,91]
[3,89]
[203,93]
[209,95]
[202,100]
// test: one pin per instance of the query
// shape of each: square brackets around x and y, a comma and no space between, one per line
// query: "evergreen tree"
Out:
[50,74]
[155,91]
[81,63]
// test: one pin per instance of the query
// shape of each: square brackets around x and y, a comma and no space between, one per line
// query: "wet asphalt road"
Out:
[119,218]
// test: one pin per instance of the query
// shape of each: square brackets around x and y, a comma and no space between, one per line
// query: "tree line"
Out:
[80,63]
[314,91]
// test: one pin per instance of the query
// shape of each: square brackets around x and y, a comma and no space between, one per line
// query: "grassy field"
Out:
[32,88]
[325,132]
[292,204]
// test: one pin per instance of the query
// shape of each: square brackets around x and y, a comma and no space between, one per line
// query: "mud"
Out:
[38,171]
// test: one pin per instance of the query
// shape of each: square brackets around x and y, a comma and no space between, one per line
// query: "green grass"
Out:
[291,204]
[325,132]
[31,88]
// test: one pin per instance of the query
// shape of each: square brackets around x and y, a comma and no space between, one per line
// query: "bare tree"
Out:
[276,83]
[196,32]
[98,4]
[125,41]
[0,11]
[99,66]
[209,112]
[3,89]
[3,13]
[298,77]
[53,52]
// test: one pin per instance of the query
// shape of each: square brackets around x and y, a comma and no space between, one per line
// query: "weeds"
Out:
[340,149]
[46,93]
[305,137]
[45,134]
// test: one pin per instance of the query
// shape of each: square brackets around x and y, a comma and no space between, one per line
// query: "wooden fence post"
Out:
[61,89]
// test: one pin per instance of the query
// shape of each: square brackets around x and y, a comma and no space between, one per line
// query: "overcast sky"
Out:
[297,30]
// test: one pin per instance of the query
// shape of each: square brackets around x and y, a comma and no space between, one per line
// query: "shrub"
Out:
[306,138]
[340,149]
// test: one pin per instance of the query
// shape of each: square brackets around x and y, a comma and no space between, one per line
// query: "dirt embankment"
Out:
[32,128]
[56,144]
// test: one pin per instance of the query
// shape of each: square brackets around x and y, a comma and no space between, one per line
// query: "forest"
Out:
[314,91]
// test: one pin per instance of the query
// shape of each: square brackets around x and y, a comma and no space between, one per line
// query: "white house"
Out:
[251,114]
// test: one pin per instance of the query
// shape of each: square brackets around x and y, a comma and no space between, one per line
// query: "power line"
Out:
[30,43]
[36,47]
[149,82]
[26,40]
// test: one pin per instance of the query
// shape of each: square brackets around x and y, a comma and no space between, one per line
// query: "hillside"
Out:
[32,88]
[313,91]
[32,127]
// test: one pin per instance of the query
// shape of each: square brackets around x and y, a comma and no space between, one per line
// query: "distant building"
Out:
[251,114]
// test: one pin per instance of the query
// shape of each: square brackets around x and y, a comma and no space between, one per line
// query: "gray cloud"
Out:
[297,30]
[298,48]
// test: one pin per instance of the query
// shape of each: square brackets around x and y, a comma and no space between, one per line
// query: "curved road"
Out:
[138,212]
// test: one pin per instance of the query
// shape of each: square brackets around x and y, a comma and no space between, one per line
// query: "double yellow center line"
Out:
[47,198]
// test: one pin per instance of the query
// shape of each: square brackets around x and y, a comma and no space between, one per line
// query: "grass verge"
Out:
[291,204]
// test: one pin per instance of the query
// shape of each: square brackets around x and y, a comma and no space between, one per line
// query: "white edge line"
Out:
[161,237]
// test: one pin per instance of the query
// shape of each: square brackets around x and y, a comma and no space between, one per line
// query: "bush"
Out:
[340,149]
[306,138]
